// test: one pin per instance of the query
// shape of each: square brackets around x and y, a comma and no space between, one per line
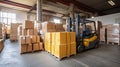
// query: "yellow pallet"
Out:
[73,37]
[73,48]
[60,51]
[60,38]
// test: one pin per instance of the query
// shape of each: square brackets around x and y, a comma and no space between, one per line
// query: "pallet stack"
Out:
[30,40]
[102,34]
[2,31]
[51,27]
[60,44]
[14,32]
[1,44]
[113,35]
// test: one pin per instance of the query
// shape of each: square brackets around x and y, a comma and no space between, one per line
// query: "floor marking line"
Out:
[80,62]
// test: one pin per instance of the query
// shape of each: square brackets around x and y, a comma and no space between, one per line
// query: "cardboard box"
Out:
[38,38]
[22,39]
[48,37]
[24,31]
[60,38]
[59,28]
[23,48]
[35,31]
[33,39]
[36,47]
[53,43]
[60,51]
[13,37]
[29,48]
[28,24]
[20,30]
[73,37]
[14,25]
[30,32]
[27,40]
[1,44]
[41,46]
[14,32]
[102,34]
[73,49]
[38,25]
[68,43]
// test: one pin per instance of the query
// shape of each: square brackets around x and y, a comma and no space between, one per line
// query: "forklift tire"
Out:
[80,48]
[97,45]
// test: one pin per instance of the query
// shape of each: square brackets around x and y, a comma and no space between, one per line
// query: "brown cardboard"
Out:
[59,27]
[28,40]
[23,48]
[13,37]
[38,38]
[30,32]
[29,48]
[35,32]
[28,24]
[36,46]
[41,46]
[33,39]
[1,44]
[24,31]
[22,40]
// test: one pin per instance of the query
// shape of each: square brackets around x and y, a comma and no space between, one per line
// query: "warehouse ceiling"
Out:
[62,7]
[103,5]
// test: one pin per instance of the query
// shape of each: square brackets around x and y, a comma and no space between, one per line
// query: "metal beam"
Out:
[15,4]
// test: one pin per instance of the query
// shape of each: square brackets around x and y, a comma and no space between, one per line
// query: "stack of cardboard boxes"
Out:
[14,32]
[51,27]
[30,40]
[113,33]
[2,31]
[2,36]
[1,44]
[60,44]
[102,34]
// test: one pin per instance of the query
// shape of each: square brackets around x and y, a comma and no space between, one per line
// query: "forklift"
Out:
[86,38]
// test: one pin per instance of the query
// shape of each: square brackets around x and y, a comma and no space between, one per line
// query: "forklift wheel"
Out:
[80,48]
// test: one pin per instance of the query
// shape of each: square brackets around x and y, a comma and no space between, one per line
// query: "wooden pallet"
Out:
[62,57]
[113,43]
[13,40]
[31,52]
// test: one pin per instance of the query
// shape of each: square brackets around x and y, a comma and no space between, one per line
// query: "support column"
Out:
[39,10]
[72,16]
[28,16]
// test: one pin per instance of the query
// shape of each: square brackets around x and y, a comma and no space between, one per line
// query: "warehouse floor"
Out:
[105,56]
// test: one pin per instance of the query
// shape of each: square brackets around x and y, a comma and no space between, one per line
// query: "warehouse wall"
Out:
[21,16]
[108,19]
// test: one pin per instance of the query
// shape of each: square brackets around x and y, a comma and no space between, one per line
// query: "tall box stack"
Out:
[53,43]
[20,30]
[102,34]
[48,41]
[73,44]
[47,27]
[1,31]
[59,28]
[1,44]
[31,39]
[14,31]
[60,44]
[113,33]
[68,43]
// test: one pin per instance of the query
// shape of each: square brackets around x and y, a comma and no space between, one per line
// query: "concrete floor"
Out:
[105,56]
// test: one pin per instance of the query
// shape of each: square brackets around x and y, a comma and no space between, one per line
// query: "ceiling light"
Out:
[111,2]
[92,17]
